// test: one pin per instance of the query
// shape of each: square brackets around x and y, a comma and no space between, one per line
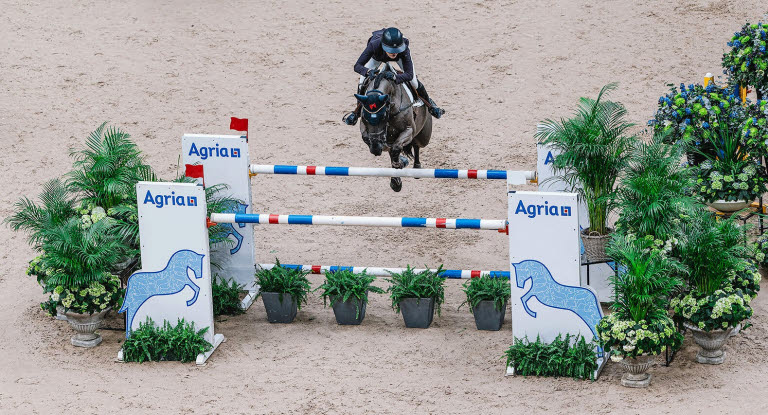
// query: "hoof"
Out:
[417,166]
[396,184]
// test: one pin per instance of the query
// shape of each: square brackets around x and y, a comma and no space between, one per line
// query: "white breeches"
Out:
[373,64]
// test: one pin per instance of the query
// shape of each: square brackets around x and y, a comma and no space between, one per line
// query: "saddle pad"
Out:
[407,90]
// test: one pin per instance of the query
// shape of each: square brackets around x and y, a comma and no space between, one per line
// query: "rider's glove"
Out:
[390,75]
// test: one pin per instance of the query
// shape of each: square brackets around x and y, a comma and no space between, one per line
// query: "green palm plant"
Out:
[77,255]
[593,150]
[646,279]
[708,250]
[56,207]
[107,170]
[654,191]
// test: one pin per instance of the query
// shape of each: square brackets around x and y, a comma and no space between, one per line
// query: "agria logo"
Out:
[171,199]
[214,151]
[546,209]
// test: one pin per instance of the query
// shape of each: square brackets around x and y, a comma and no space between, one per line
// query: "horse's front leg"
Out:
[395,151]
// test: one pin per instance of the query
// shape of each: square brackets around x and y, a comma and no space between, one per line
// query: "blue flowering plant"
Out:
[754,131]
[690,114]
[747,60]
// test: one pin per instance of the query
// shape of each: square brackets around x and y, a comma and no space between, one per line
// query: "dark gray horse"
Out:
[391,123]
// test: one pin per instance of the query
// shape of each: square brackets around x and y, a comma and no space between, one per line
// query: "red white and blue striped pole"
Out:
[516,176]
[386,272]
[374,221]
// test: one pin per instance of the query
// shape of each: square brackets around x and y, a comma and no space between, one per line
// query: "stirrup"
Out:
[350,118]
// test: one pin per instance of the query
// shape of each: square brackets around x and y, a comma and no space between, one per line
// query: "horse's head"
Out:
[375,105]
[191,260]
[521,276]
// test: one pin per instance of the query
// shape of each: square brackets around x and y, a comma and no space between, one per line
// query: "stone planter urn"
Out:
[85,325]
[635,369]
[729,206]
[711,343]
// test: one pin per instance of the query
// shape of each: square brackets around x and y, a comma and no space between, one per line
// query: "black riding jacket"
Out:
[374,50]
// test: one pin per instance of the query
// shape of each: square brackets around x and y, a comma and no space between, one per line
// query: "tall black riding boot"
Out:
[436,111]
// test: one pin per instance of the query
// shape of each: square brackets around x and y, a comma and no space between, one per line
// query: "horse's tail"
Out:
[408,150]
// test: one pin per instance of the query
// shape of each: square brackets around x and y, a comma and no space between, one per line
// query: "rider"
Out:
[388,45]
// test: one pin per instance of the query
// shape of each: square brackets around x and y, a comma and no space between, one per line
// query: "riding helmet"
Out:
[392,41]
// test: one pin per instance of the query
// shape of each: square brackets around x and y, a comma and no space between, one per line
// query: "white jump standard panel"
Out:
[224,159]
[175,277]
[544,252]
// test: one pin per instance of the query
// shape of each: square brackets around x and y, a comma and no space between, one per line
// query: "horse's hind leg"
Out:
[416,162]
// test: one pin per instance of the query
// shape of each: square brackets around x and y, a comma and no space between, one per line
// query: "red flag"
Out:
[194,171]
[239,124]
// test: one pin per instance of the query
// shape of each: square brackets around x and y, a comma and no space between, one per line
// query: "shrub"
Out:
[226,297]
[411,284]
[342,285]
[487,288]
[572,357]
[278,279]
[180,342]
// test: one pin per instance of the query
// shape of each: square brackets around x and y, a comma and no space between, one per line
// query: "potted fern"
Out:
[283,291]
[592,151]
[417,294]
[487,298]
[348,294]
[640,328]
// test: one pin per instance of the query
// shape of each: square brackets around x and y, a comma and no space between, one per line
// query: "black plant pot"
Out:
[279,311]
[347,312]
[417,312]
[487,317]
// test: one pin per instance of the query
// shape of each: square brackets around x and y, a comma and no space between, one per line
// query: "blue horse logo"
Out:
[170,280]
[551,293]
[228,229]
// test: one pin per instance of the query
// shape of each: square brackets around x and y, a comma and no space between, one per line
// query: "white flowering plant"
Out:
[94,297]
[630,339]
[761,249]
[746,278]
[720,310]
[730,180]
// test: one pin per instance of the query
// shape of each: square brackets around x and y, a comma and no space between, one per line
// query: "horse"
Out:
[170,280]
[390,121]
